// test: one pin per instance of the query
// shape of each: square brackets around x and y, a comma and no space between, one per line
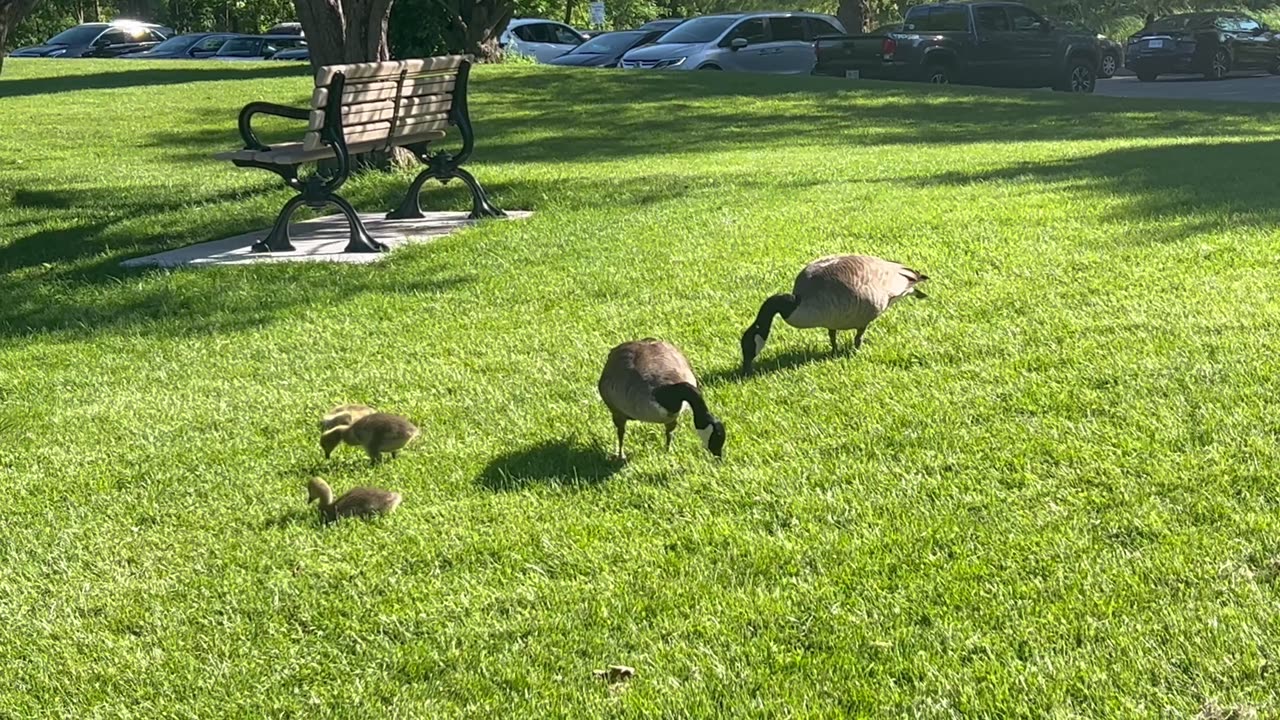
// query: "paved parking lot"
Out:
[1243,88]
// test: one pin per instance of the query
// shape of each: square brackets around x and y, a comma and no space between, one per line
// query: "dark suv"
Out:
[98,40]
[1208,43]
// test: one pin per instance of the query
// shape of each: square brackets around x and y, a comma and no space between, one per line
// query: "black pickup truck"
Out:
[978,43]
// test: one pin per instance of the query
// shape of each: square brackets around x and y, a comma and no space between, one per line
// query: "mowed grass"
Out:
[1052,489]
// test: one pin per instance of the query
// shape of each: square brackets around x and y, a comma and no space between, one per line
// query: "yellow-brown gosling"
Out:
[344,415]
[377,433]
[357,502]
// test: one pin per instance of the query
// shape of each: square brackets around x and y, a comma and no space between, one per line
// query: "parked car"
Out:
[1210,43]
[97,40]
[662,24]
[780,42]
[980,43]
[285,28]
[540,39]
[606,50]
[1110,52]
[258,47]
[301,53]
[184,47]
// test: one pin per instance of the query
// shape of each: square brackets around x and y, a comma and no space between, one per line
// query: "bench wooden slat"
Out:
[392,68]
[378,131]
[384,110]
[386,91]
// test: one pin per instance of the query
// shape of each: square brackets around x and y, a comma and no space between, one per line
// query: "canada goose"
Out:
[344,415]
[377,433]
[837,292]
[651,381]
[361,501]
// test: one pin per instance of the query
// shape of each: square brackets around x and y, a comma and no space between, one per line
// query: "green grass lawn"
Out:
[1052,489]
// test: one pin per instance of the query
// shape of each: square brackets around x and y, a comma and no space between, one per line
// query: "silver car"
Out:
[767,42]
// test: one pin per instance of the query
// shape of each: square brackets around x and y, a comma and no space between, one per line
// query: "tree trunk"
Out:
[12,13]
[345,31]
[480,23]
[854,15]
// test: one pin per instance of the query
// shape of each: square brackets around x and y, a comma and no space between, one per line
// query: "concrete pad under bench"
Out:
[322,239]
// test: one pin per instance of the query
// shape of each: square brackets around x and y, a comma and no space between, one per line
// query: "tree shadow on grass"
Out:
[556,462]
[1227,183]
[141,77]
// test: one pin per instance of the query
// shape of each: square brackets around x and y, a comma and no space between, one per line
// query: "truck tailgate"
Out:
[838,53]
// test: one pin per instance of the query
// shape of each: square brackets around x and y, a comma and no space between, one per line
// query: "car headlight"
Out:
[1100,36]
[670,63]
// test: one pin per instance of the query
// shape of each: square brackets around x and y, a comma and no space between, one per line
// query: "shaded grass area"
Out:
[1047,490]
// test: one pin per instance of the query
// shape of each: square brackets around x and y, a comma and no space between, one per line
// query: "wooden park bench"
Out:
[359,108]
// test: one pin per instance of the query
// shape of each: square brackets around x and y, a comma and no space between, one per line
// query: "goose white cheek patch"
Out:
[705,434]
[759,344]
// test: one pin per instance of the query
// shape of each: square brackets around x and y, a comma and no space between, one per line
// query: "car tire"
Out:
[937,74]
[1219,65]
[711,67]
[1275,67]
[1107,65]
[1146,76]
[1080,77]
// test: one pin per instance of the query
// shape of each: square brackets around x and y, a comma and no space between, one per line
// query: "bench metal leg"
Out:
[411,207]
[278,239]
[480,205]
[361,240]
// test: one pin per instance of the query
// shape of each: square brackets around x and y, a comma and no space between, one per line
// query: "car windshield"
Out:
[1177,22]
[78,35]
[176,44]
[607,43]
[698,30]
[241,46]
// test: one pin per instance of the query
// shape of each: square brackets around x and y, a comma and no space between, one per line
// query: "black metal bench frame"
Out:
[321,187]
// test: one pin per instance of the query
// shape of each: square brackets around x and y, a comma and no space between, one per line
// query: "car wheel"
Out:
[1107,66]
[1219,66]
[1146,76]
[937,75]
[1275,67]
[710,67]
[1079,78]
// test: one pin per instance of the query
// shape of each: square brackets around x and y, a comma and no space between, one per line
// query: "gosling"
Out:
[377,433]
[344,415]
[837,292]
[358,502]
[650,381]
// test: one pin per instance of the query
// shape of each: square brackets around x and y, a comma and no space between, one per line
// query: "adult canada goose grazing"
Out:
[837,292]
[376,433]
[357,502]
[651,381]
[344,415]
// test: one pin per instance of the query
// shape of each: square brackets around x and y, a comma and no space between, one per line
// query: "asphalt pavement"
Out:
[1235,88]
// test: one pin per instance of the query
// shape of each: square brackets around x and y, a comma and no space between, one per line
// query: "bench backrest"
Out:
[382,101]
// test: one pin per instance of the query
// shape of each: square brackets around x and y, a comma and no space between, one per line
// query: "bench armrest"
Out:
[251,141]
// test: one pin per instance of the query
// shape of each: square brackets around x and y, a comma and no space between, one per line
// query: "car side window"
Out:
[1226,24]
[818,26]
[525,33]
[992,18]
[787,29]
[565,36]
[752,30]
[1248,25]
[210,44]
[1022,19]
[114,37]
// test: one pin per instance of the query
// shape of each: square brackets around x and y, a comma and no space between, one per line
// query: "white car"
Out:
[540,39]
